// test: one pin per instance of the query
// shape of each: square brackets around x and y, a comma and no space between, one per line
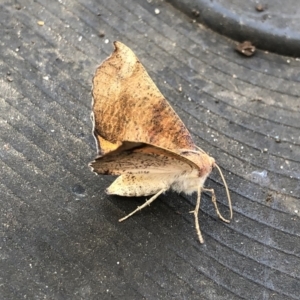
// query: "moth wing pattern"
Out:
[144,159]
[143,171]
[127,106]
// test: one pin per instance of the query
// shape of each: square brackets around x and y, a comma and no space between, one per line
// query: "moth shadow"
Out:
[168,217]
[129,204]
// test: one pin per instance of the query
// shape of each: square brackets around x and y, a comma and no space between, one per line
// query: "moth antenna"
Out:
[200,149]
[226,188]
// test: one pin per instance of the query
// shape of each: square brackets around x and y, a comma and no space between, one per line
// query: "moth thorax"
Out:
[188,182]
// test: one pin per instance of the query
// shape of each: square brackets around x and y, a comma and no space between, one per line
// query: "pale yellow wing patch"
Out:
[136,185]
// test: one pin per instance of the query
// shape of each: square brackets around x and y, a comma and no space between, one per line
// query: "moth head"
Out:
[212,162]
[205,163]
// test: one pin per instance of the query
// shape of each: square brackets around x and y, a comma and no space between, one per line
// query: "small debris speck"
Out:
[106,41]
[265,150]
[260,7]
[101,34]
[41,23]
[256,99]
[246,48]
[269,198]
[195,13]
[157,11]
[277,139]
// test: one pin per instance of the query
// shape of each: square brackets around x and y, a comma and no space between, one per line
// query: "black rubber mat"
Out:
[268,24]
[60,236]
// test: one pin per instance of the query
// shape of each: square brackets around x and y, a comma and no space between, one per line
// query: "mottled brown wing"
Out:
[143,159]
[134,158]
[127,106]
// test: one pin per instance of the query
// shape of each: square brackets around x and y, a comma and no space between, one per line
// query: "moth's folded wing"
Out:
[143,160]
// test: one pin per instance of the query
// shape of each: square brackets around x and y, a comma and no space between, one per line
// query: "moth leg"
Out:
[195,212]
[214,201]
[148,202]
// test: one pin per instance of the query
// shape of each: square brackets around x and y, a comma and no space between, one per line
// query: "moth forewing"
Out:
[141,158]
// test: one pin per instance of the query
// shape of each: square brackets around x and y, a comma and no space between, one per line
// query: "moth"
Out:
[141,139]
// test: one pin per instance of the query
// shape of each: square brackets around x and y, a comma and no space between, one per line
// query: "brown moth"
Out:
[140,137]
